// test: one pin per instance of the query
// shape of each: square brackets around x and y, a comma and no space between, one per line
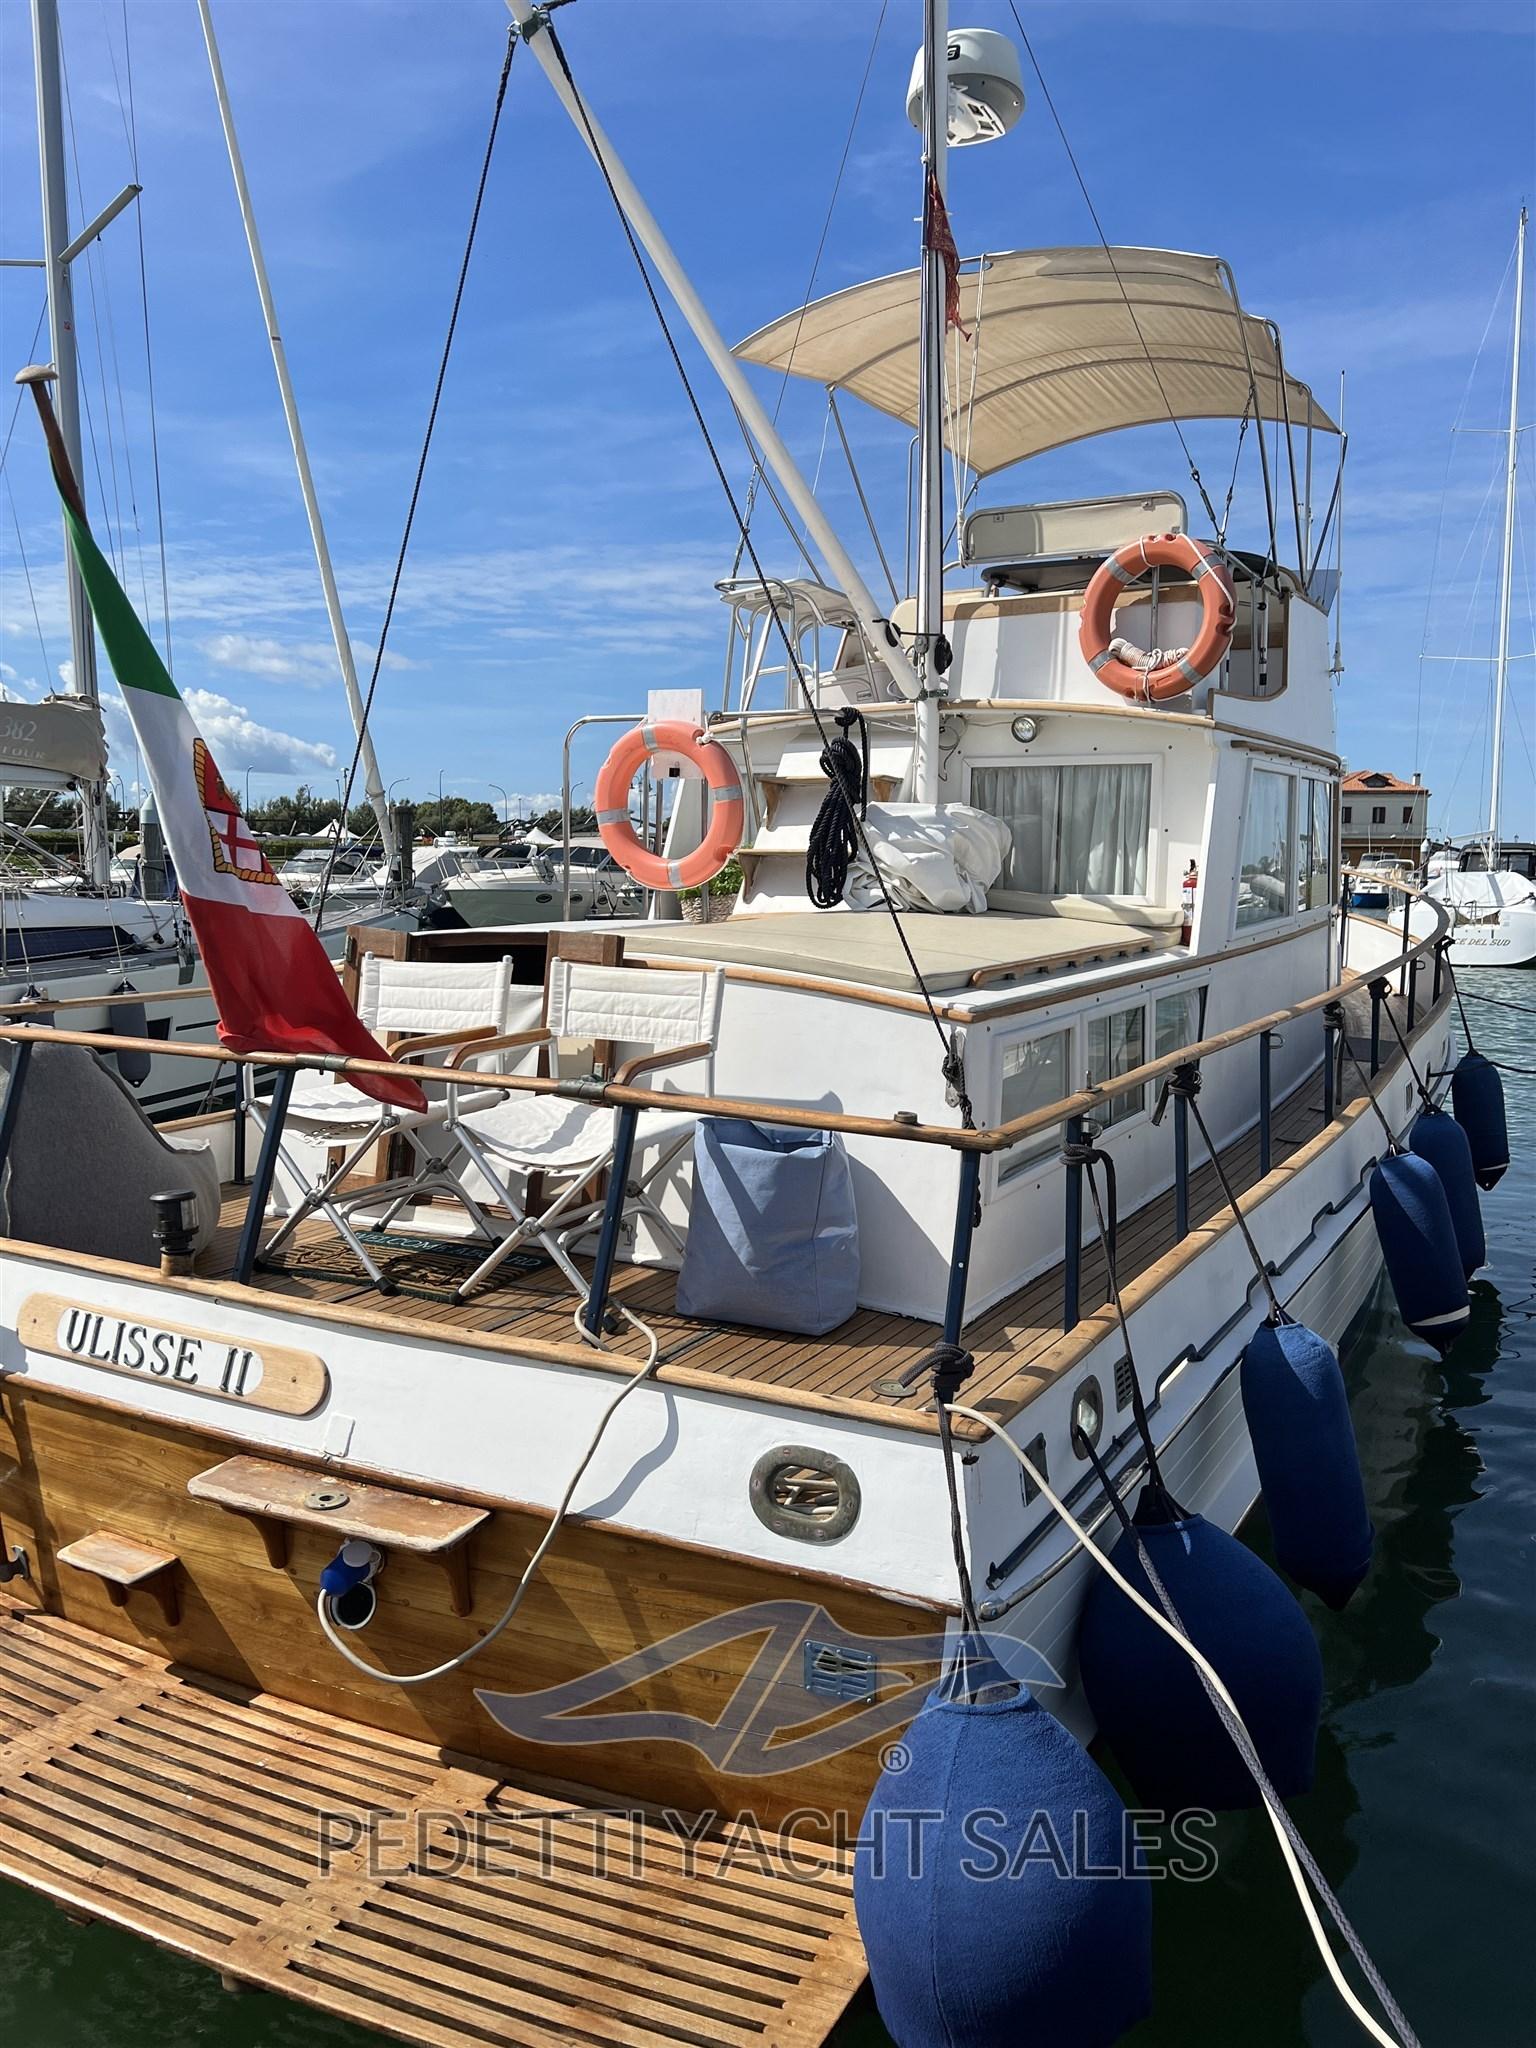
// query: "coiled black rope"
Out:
[834,836]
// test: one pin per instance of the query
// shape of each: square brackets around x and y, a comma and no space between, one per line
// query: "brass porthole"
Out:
[805,1494]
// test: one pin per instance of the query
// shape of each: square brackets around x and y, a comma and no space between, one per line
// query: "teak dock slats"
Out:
[402,1887]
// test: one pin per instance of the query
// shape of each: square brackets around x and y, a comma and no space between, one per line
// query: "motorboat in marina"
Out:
[553,1486]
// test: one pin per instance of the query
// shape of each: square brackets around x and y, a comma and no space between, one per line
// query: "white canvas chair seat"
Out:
[660,1023]
[443,1010]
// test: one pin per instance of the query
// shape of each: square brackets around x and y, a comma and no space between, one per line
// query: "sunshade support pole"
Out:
[753,414]
[930,418]
[266,1168]
[613,1216]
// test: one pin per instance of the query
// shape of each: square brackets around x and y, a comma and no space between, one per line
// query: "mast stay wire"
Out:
[21,546]
[1082,186]
[149,355]
[421,470]
[952,1063]
[759,467]
[1445,491]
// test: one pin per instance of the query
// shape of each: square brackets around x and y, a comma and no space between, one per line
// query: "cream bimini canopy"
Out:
[1062,341]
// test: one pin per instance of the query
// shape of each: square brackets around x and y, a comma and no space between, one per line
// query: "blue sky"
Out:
[1360,164]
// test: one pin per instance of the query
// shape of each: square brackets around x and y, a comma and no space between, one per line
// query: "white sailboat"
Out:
[515,1475]
[1490,887]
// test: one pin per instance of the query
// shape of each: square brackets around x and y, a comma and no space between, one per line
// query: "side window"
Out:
[1177,1021]
[1378,814]
[1407,814]
[1036,1073]
[1117,1043]
[1269,830]
[1348,813]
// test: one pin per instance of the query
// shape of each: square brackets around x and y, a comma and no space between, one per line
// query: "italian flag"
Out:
[275,989]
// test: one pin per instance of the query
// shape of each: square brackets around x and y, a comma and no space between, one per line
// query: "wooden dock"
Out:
[402,1887]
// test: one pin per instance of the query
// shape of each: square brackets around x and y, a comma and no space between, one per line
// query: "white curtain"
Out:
[1077,831]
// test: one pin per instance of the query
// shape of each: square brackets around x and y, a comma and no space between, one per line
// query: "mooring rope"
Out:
[531,1569]
[834,842]
[1298,1858]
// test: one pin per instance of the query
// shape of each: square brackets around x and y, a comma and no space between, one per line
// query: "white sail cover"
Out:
[51,743]
[1067,343]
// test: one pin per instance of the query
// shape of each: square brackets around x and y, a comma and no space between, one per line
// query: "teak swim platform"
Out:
[416,1891]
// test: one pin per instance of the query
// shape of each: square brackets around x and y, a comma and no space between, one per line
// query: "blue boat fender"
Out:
[1309,1469]
[1477,1096]
[1017,1915]
[1147,1697]
[1442,1141]
[1418,1242]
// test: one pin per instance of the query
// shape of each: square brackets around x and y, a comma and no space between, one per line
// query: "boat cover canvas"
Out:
[50,743]
[1067,343]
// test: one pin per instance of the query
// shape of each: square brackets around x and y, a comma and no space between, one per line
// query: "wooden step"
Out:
[122,1563]
[428,1895]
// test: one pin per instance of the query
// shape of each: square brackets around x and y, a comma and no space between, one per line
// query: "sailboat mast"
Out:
[61,331]
[1507,567]
[930,423]
[373,781]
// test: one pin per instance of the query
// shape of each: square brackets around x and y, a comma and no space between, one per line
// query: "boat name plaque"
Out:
[267,1376]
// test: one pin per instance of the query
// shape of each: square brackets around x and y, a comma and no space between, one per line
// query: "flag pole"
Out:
[36,378]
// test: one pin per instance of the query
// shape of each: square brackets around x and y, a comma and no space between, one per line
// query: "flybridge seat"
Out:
[862,947]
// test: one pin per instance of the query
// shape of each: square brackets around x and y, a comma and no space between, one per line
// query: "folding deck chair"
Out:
[439,1008]
[654,1019]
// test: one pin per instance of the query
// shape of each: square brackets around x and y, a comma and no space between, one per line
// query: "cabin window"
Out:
[1316,869]
[1078,830]
[1264,877]
[1177,1021]
[1116,1044]
[1036,1073]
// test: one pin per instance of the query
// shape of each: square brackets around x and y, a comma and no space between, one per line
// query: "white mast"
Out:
[61,329]
[373,782]
[933,299]
[1507,568]
[871,616]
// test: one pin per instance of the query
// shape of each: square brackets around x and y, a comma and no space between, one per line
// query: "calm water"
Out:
[1425,1801]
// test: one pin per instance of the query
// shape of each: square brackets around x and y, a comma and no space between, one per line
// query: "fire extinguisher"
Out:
[1191,883]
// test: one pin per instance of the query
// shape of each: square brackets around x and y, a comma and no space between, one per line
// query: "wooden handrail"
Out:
[995,1138]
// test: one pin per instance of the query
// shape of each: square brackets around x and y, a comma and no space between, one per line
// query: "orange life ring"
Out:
[1127,566]
[727,811]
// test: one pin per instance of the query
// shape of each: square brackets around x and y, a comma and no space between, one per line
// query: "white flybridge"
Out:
[752,1314]
[1489,887]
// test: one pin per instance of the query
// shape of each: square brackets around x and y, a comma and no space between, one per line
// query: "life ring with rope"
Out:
[727,810]
[1179,670]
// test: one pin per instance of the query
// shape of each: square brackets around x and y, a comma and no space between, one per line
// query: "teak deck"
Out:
[1010,1341]
[399,1886]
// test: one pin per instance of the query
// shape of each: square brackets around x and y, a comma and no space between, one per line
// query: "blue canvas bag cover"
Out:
[773,1236]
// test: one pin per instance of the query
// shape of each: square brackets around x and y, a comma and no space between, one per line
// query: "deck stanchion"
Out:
[1407,942]
[1439,970]
[1181,1166]
[1379,992]
[237,1169]
[1333,1018]
[613,1214]
[1413,989]
[960,1256]
[266,1167]
[1072,1249]
[1266,1103]
[21,1059]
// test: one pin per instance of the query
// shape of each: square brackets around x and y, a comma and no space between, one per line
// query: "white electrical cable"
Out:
[323,1603]
[1277,1816]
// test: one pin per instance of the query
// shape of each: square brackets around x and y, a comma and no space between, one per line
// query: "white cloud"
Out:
[67,674]
[239,742]
[310,662]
